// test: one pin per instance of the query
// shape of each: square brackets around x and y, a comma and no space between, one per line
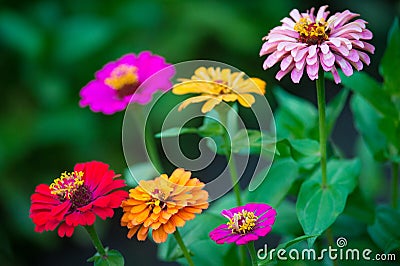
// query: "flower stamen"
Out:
[66,185]
[123,79]
[242,222]
[312,33]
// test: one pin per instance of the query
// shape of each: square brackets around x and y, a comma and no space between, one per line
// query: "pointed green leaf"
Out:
[385,230]
[334,108]
[277,182]
[139,171]
[295,117]
[389,67]
[303,151]
[317,207]
[176,131]
[367,120]
[113,258]
[371,90]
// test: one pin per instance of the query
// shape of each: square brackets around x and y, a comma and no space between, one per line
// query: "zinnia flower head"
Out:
[117,83]
[215,85]
[163,204]
[309,41]
[76,198]
[246,223]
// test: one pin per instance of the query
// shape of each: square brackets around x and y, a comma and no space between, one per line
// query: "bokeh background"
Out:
[50,49]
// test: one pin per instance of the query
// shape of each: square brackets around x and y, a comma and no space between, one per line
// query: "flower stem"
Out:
[322,125]
[234,178]
[185,251]
[96,240]
[148,138]
[253,254]
[223,113]
[395,184]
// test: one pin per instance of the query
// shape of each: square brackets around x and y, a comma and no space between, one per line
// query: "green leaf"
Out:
[195,236]
[304,151]
[371,90]
[139,171]
[112,258]
[176,131]
[385,230]
[277,182]
[334,108]
[391,59]
[366,121]
[318,207]
[247,141]
[295,117]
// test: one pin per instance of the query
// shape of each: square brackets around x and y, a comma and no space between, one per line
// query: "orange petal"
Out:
[142,233]
[178,221]
[133,231]
[159,235]
[138,208]
[141,216]
[169,227]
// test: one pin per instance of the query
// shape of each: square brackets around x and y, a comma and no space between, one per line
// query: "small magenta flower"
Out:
[246,223]
[117,83]
[306,41]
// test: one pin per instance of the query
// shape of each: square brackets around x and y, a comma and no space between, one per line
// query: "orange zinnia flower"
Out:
[163,204]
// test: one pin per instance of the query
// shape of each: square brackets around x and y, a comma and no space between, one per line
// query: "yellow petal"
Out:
[192,86]
[260,84]
[229,97]
[195,99]
[246,99]
[210,104]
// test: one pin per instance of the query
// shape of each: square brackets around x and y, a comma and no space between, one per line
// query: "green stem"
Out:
[223,112]
[95,239]
[148,137]
[253,254]
[329,236]
[322,124]
[395,184]
[234,177]
[185,251]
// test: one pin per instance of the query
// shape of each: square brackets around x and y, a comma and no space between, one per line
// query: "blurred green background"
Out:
[50,49]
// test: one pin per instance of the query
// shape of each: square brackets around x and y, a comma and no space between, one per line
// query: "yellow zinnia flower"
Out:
[215,85]
[163,204]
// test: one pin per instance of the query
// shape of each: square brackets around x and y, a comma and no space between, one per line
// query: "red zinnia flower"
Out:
[77,198]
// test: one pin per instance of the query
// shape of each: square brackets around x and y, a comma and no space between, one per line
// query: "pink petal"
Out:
[312,71]
[357,65]
[285,63]
[335,74]
[296,74]
[268,48]
[321,13]
[364,57]
[328,59]
[288,22]
[344,65]
[312,50]
[353,56]
[301,54]
[324,48]
[312,60]
[295,14]
[282,73]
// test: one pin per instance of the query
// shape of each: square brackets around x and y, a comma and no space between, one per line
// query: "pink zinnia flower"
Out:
[246,223]
[116,84]
[76,198]
[309,41]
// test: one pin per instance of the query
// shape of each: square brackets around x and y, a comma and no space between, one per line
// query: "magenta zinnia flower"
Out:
[117,83]
[309,41]
[246,223]
[77,198]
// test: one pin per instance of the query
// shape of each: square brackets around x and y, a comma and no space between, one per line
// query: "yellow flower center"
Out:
[66,185]
[242,222]
[310,32]
[124,80]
